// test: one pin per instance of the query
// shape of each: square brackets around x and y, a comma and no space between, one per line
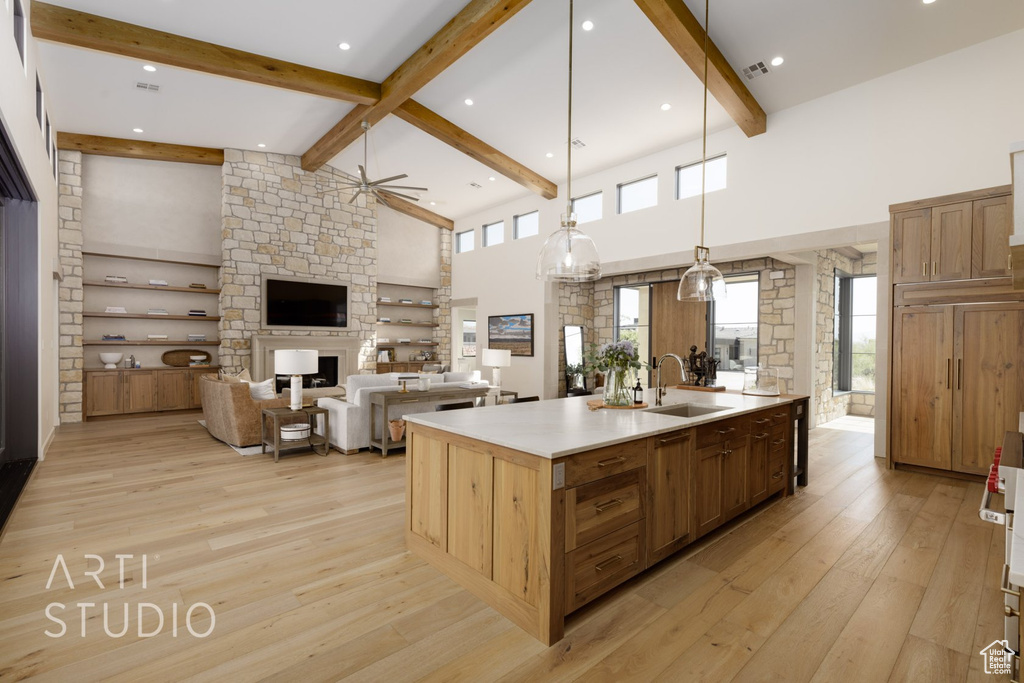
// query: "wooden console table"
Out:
[385,399]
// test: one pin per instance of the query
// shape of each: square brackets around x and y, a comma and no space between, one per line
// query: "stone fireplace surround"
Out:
[346,349]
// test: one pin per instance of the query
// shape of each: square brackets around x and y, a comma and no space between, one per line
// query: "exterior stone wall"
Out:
[777,302]
[827,405]
[69,291]
[276,223]
[575,307]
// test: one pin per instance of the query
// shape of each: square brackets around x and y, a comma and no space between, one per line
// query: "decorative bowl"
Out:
[110,360]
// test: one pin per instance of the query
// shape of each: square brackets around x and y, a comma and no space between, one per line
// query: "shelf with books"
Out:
[149,342]
[158,288]
[150,316]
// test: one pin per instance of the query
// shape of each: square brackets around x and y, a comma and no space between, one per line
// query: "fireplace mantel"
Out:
[345,348]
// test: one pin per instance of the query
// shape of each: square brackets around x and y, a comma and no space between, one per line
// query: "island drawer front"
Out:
[776,472]
[600,507]
[723,430]
[595,568]
[779,414]
[582,468]
[778,438]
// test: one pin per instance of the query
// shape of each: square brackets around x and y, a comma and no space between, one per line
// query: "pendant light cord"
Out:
[704,150]
[568,156]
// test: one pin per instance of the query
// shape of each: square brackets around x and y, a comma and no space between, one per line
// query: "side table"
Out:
[276,417]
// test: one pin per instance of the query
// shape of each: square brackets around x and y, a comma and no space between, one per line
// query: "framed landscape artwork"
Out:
[512,332]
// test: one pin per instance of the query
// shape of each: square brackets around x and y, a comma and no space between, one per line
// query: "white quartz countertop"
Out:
[560,427]
[1017,552]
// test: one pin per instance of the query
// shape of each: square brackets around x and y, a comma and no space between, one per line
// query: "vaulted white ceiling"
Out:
[623,72]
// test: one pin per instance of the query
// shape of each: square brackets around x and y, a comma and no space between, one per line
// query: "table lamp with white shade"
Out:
[497,359]
[296,362]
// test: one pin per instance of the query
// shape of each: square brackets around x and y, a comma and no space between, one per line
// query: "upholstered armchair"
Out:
[230,412]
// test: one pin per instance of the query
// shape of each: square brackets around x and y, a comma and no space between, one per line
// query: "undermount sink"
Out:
[686,410]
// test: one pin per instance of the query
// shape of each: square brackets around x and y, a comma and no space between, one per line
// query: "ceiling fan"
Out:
[378,188]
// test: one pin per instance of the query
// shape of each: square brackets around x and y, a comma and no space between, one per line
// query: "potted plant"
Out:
[574,375]
[619,361]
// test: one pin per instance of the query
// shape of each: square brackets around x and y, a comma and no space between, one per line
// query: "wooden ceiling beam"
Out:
[444,130]
[686,36]
[416,211]
[476,21]
[139,149]
[62,25]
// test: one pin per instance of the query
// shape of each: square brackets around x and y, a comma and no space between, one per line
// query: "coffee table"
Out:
[277,417]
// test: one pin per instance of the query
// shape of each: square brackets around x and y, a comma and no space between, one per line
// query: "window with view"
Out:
[633,321]
[526,225]
[688,178]
[588,208]
[639,194]
[464,242]
[19,29]
[469,339]
[494,233]
[854,333]
[734,329]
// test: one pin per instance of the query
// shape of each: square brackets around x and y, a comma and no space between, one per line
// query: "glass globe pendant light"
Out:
[569,254]
[702,281]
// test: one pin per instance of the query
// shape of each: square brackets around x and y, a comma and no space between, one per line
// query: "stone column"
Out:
[69,291]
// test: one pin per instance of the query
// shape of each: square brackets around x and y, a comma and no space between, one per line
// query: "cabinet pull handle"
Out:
[1009,261]
[608,505]
[779,415]
[763,421]
[934,268]
[762,435]
[1004,584]
[777,475]
[949,371]
[607,563]
[959,372]
[611,461]
[778,441]
[726,452]
[924,268]
[727,431]
[673,439]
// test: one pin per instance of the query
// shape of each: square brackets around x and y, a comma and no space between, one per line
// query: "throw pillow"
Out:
[243,376]
[261,391]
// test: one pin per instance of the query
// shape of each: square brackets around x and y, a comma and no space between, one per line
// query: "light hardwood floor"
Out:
[864,575]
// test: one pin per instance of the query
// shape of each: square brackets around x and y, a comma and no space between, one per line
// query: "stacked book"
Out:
[157,337]
[119,279]
[196,337]
[384,340]
[426,341]
[116,309]
[407,321]
[405,301]
[114,337]
[158,283]
[197,312]
[157,311]
[197,285]
[385,320]
[404,341]
[425,302]
[384,299]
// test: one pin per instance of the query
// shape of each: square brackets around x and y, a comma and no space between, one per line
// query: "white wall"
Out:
[408,250]
[938,127]
[18,115]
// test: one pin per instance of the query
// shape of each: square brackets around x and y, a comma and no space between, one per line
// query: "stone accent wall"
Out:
[828,406]
[69,291]
[575,307]
[777,300]
[274,223]
[444,301]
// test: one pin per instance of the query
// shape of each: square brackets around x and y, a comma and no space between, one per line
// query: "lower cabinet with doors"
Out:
[537,538]
[147,390]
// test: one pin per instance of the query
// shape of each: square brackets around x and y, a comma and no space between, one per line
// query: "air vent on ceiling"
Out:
[577,143]
[147,87]
[476,186]
[755,70]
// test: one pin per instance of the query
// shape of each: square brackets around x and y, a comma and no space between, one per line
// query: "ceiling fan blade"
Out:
[362,174]
[388,180]
[398,194]
[355,196]
[400,187]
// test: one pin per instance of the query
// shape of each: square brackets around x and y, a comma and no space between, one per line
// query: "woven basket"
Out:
[179,358]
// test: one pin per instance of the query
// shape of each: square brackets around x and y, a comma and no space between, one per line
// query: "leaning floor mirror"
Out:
[575,376]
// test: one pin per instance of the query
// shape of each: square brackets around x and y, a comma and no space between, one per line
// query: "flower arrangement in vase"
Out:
[619,361]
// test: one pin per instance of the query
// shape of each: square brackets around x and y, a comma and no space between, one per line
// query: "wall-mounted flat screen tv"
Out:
[290,303]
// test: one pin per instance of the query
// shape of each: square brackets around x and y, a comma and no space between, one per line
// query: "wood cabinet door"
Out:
[675,327]
[173,390]
[922,396]
[668,508]
[988,381]
[708,489]
[735,461]
[990,236]
[139,391]
[757,469]
[951,241]
[196,398]
[103,394]
[912,244]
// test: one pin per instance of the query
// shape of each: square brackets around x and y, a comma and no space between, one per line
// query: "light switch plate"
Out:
[558,477]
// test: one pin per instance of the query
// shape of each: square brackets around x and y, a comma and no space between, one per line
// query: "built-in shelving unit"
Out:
[157,288]
[414,312]
[150,316]
[149,342]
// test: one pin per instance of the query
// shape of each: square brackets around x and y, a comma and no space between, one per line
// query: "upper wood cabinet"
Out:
[956,237]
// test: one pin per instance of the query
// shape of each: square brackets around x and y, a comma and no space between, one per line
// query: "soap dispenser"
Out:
[638,393]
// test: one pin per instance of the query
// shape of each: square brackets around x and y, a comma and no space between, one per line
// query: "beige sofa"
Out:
[230,412]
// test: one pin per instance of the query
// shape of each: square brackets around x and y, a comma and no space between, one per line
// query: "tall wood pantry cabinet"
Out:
[957,380]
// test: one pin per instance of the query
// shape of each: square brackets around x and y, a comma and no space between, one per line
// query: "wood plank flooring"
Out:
[864,575]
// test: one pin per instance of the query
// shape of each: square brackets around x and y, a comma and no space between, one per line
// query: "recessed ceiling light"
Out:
[433,203]
[149,67]
[779,60]
[549,155]
[343,46]
[587,25]
[137,130]
[492,179]
[666,106]
[927,2]
[469,102]
[261,145]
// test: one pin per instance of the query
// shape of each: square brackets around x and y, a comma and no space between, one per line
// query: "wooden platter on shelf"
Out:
[599,404]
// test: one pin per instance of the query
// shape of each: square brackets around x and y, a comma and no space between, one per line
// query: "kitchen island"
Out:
[539,508]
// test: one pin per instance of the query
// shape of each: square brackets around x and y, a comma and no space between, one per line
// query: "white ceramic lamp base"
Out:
[296,389]
[496,377]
